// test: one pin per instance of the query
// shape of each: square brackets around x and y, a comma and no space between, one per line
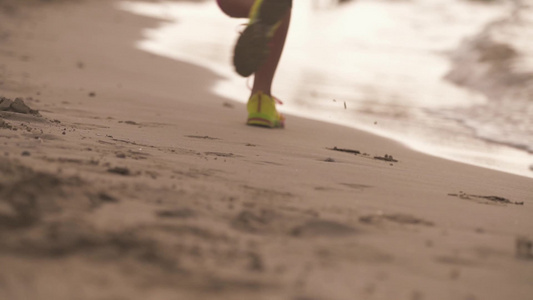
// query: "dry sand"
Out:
[134,182]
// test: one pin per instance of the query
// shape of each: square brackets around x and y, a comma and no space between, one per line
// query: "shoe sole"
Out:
[260,120]
[251,48]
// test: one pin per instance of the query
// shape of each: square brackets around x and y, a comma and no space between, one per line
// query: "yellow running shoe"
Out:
[251,48]
[262,111]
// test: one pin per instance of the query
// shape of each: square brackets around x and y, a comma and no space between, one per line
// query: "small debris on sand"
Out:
[92,94]
[17,106]
[485,199]
[120,170]
[205,137]
[345,150]
[222,154]
[228,105]
[386,157]
[329,159]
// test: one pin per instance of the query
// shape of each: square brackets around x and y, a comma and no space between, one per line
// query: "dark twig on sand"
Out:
[205,137]
[386,157]
[356,152]
[488,199]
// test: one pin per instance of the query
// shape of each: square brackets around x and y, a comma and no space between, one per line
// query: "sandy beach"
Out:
[123,177]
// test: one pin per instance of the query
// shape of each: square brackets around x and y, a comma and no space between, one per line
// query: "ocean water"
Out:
[451,78]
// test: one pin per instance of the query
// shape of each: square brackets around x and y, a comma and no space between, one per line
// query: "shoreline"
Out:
[137,183]
[466,148]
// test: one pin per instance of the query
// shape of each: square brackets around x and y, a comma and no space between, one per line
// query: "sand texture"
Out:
[123,177]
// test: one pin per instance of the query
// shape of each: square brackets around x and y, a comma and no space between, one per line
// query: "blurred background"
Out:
[451,78]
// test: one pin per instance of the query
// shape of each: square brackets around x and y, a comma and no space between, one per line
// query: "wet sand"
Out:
[134,182]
